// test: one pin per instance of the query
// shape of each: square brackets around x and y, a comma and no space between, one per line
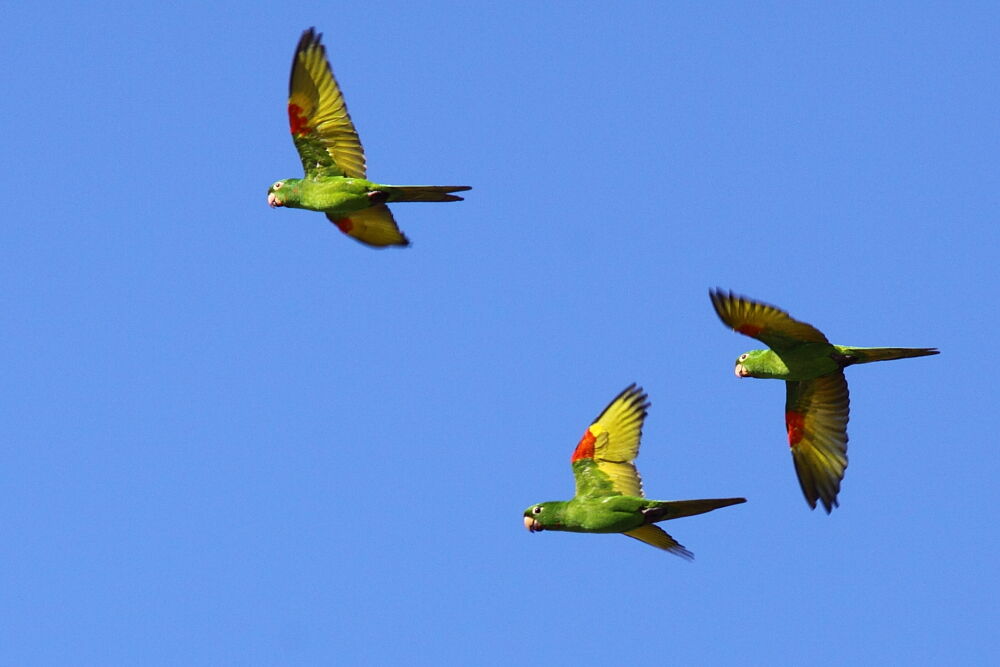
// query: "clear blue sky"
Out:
[231,435]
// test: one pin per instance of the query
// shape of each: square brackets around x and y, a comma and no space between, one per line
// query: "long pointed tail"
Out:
[865,355]
[425,192]
[675,509]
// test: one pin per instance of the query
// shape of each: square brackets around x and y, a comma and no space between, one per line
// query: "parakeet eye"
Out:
[536,510]
[277,186]
[743,357]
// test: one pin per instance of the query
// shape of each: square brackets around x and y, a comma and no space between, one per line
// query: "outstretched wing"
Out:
[321,128]
[816,414]
[659,538]
[603,460]
[770,325]
[373,226]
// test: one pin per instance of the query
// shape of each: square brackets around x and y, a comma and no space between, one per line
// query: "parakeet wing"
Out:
[372,226]
[770,325]
[612,443]
[816,413]
[321,128]
[659,538]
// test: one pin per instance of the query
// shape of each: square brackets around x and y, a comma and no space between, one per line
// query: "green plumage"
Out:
[812,360]
[817,402]
[340,196]
[609,496]
[334,161]
[615,513]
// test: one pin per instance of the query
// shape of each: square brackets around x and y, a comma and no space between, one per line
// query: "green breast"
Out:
[613,514]
[805,362]
[335,194]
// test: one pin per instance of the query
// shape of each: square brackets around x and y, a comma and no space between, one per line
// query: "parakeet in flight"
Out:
[816,399]
[608,489]
[334,161]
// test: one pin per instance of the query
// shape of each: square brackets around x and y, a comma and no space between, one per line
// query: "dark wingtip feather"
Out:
[309,39]
[828,502]
[724,302]
[635,396]
[718,302]
[727,299]
[682,551]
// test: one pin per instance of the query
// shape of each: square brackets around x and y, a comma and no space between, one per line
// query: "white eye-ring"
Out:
[277,186]
[743,357]
[536,509]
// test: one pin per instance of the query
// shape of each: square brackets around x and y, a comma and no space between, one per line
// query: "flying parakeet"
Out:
[816,399]
[608,489]
[334,161]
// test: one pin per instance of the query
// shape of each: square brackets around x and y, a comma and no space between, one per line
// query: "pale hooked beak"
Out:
[741,371]
[532,525]
[272,201]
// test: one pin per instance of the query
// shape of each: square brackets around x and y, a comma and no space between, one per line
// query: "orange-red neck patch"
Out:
[795,422]
[584,450]
[749,329]
[344,224]
[298,121]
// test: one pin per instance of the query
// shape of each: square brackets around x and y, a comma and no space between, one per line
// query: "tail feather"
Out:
[675,509]
[425,192]
[865,355]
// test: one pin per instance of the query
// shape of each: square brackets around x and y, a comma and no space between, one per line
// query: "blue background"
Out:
[232,436]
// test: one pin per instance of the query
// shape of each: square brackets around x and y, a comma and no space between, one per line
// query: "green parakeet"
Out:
[608,489]
[334,161]
[816,399]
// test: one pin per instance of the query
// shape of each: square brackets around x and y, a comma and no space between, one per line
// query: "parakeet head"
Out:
[544,516]
[284,193]
[759,364]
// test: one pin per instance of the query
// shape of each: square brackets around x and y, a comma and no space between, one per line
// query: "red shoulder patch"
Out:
[749,329]
[795,422]
[584,450]
[297,121]
[344,224]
